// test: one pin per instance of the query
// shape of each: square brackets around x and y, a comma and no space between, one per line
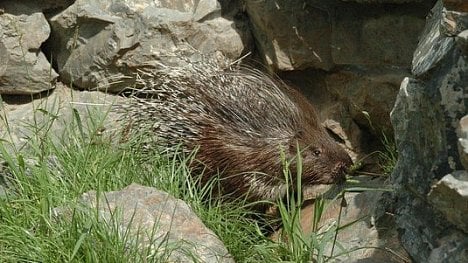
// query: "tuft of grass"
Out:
[386,158]
[389,156]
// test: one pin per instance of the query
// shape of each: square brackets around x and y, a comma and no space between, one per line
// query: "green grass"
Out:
[53,172]
[293,242]
[389,156]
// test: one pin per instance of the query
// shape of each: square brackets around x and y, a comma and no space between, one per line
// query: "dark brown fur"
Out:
[240,121]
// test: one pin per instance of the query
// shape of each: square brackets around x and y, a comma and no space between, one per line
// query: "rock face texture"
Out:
[427,112]
[100,44]
[339,33]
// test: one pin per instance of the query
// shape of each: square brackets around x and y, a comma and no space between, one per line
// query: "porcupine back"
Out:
[239,120]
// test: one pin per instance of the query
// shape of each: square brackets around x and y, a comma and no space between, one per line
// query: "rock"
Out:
[450,196]
[427,111]
[366,236]
[101,45]
[297,42]
[450,249]
[24,69]
[368,95]
[462,134]
[55,114]
[335,128]
[423,156]
[375,37]
[433,46]
[151,217]
[322,34]
[453,22]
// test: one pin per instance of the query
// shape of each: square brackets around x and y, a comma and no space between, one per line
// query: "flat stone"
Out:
[450,196]
[57,109]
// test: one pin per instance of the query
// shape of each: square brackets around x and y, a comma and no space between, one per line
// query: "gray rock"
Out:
[453,248]
[450,196]
[425,116]
[433,46]
[453,22]
[155,219]
[424,153]
[368,94]
[462,134]
[102,44]
[24,68]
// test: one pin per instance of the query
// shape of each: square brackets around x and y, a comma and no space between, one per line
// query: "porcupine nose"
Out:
[342,168]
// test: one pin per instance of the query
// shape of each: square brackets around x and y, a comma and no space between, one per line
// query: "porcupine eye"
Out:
[316,152]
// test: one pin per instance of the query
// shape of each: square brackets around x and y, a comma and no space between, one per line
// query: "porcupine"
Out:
[238,120]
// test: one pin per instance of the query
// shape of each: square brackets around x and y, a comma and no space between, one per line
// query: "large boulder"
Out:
[100,44]
[24,69]
[157,222]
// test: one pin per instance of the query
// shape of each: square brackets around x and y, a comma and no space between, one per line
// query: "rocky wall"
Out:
[427,112]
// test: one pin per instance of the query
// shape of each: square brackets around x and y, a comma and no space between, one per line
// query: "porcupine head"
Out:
[323,160]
